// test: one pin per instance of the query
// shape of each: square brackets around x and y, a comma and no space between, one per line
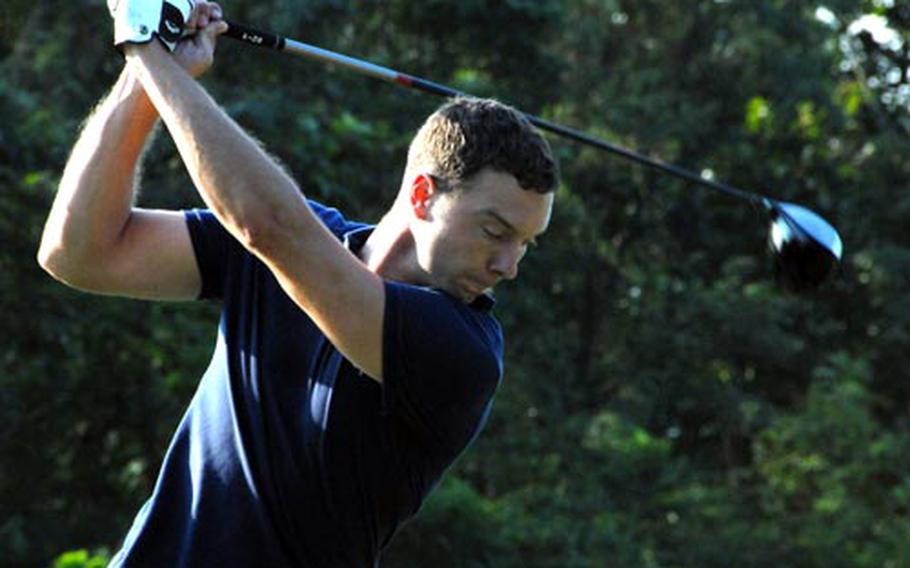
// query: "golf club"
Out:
[805,247]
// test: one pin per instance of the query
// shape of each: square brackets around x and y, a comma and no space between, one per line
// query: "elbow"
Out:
[55,250]
[44,257]
[267,232]
[49,257]
[53,260]
[252,232]
[67,271]
[255,234]
[59,260]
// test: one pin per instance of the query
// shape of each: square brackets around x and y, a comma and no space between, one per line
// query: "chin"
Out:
[462,293]
[465,296]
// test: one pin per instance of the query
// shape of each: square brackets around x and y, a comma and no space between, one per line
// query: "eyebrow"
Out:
[495,215]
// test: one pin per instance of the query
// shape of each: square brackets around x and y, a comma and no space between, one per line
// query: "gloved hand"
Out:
[138,21]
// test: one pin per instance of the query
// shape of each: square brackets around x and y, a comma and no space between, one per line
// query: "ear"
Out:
[423,188]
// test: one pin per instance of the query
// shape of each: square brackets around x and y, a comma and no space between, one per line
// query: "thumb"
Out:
[212,31]
[219,27]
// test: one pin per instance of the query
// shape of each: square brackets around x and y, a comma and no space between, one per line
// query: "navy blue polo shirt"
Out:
[287,454]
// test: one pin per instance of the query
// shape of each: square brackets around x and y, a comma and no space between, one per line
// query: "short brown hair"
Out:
[467,134]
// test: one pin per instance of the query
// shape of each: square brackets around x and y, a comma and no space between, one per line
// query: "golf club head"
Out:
[805,247]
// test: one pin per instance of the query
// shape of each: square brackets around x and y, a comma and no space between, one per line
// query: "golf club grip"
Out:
[255,37]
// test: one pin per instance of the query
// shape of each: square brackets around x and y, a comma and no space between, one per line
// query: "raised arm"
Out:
[261,206]
[94,239]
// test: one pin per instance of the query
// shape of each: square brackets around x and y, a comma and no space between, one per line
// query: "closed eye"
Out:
[503,230]
[500,236]
[494,234]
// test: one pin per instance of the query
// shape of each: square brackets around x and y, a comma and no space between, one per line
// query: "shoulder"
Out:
[203,220]
[442,365]
[435,329]
[333,219]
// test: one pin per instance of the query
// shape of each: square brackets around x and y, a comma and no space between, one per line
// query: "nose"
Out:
[504,263]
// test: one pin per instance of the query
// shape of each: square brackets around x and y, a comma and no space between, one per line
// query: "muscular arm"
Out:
[260,205]
[94,239]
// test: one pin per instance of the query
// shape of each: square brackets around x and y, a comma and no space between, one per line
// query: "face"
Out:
[469,239]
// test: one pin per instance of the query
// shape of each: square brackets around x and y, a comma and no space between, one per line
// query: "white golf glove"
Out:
[137,21]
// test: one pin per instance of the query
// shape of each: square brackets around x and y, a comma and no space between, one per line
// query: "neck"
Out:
[390,252]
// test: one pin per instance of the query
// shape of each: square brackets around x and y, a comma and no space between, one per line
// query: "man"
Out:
[353,363]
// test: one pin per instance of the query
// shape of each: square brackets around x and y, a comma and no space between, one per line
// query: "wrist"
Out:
[129,90]
[136,51]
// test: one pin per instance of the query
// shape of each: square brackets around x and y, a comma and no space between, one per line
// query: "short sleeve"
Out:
[212,245]
[215,248]
[333,219]
[442,363]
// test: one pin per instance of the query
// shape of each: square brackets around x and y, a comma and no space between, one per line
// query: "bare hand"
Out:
[196,52]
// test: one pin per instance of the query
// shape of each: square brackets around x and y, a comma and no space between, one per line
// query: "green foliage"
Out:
[664,404]
[81,559]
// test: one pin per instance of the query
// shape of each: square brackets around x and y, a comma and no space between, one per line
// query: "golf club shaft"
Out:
[276,42]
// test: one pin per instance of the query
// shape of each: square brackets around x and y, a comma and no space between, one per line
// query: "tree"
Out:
[664,403]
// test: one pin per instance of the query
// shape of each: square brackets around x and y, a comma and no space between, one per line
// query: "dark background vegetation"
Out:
[664,404]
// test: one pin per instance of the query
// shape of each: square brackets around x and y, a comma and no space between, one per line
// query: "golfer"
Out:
[354,363]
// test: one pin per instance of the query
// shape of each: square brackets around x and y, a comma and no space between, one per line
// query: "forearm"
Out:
[250,194]
[262,207]
[96,191]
